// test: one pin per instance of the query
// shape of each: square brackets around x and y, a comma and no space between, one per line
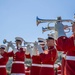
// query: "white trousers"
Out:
[17,74]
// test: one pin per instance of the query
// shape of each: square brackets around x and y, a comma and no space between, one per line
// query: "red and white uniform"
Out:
[48,61]
[59,70]
[36,65]
[63,68]
[55,67]
[18,67]
[3,62]
[27,70]
[68,44]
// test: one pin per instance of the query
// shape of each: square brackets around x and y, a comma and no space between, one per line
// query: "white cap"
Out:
[41,41]
[51,35]
[19,38]
[2,46]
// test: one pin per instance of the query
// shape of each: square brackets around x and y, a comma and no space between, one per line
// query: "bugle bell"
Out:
[47,29]
[5,41]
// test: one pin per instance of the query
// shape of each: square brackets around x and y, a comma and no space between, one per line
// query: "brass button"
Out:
[41,62]
[64,37]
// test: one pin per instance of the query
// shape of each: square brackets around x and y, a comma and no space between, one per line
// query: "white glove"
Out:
[1,56]
[36,44]
[40,49]
[29,50]
[34,51]
[13,47]
[46,47]
[7,48]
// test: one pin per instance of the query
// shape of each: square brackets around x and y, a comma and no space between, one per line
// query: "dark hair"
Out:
[18,40]
[73,23]
[40,41]
[2,48]
[50,38]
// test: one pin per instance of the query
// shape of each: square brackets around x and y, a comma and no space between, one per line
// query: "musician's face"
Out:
[73,28]
[18,43]
[1,51]
[50,42]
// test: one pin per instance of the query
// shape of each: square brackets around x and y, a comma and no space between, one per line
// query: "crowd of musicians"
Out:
[43,55]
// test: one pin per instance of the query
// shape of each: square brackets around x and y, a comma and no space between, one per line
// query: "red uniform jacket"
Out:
[63,63]
[59,70]
[18,61]
[48,59]
[28,56]
[35,69]
[3,62]
[36,64]
[67,44]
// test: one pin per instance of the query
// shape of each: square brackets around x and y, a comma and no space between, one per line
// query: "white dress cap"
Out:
[19,38]
[2,46]
[41,41]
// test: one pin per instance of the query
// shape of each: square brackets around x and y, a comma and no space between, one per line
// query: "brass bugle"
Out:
[68,28]
[47,29]
[52,28]
[38,20]
[5,41]
[25,43]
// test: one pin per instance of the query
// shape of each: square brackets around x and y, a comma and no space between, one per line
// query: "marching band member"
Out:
[56,67]
[18,55]
[36,61]
[59,69]
[27,70]
[48,58]
[28,57]
[3,60]
[63,63]
[68,45]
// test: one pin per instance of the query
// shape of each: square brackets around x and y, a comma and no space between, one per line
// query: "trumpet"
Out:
[28,43]
[67,28]
[47,29]
[38,20]
[5,41]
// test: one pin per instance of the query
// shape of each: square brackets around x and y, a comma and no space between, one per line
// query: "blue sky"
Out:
[18,17]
